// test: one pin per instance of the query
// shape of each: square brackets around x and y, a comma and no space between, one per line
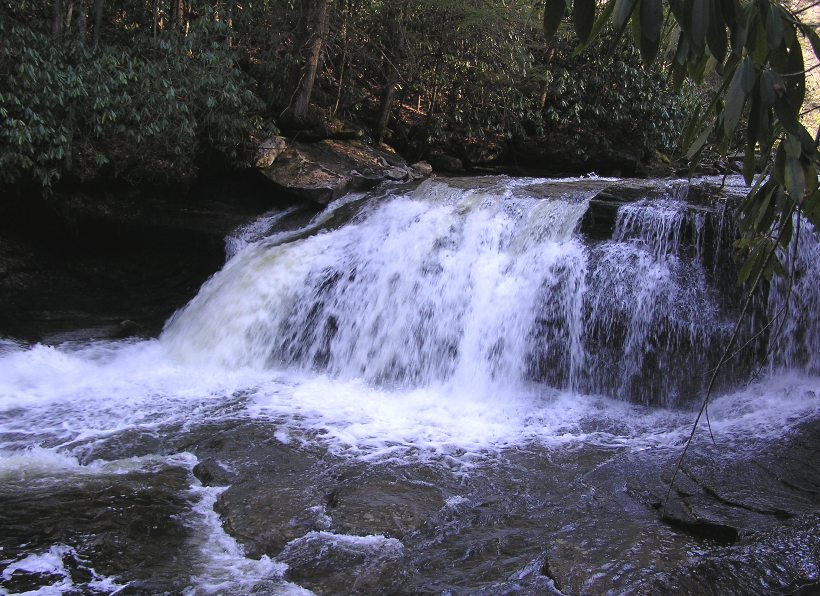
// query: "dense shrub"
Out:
[611,94]
[147,112]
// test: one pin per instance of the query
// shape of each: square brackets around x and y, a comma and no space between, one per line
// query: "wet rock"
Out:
[729,499]
[781,560]
[382,504]
[112,525]
[272,498]
[20,581]
[124,329]
[325,170]
[210,473]
[397,174]
[343,564]
[121,445]
[534,578]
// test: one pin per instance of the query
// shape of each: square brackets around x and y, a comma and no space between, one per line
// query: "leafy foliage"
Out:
[147,113]
[609,91]
[756,48]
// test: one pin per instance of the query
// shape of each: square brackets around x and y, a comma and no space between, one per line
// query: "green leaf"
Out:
[765,215]
[739,34]
[698,24]
[796,76]
[716,32]
[792,146]
[699,142]
[814,38]
[759,42]
[811,208]
[728,11]
[651,17]
[795,177]
[554,11]
[771,87]
[678,10]
[754,126]
[774,27]
[788,117]
[583,17]
[602,20]
[682,51]
[635,24]
[622,12]
[754,262]
[736,96]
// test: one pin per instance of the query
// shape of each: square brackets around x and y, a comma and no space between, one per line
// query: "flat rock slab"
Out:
[325,170]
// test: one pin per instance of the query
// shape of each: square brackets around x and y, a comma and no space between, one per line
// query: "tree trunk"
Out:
[343,33]
[309,47]
[178,14]
[57,18]
[396,48]
[386,102]
[156,20]
[98,17]
[81,21]
[69,15]
[230,25]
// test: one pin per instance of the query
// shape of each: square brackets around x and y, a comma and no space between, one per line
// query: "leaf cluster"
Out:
[755,46]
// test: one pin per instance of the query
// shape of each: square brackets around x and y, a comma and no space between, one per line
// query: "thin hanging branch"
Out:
[725,355]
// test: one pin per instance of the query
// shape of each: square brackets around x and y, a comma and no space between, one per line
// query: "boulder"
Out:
[269,150]
[325,170]
[445,163]
[423,168]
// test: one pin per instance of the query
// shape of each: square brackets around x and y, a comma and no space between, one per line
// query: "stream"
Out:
[463,386]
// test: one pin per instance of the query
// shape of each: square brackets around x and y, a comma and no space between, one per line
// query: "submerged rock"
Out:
[343,564]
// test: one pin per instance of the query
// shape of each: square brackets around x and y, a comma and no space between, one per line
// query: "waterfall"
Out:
[485,283]
[794,303]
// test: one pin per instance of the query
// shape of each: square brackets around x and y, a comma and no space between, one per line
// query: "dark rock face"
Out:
[117,526]
[445,162]
[116,263]
[560,156]
[780,560]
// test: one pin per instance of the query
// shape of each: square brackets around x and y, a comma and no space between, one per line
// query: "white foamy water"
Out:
[40,427]
[449,320]
[52,563]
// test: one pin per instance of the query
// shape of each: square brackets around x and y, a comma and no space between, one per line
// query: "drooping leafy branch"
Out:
[756,48]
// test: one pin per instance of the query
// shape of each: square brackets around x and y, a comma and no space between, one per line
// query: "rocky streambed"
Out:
[578,519]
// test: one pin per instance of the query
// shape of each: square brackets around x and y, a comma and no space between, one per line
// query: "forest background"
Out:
[156,92]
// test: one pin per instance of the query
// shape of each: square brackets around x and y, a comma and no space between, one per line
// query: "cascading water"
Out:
[794,304]
[427,333]
[489,286]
